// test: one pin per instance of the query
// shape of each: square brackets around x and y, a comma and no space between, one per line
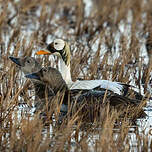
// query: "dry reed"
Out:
[100,49]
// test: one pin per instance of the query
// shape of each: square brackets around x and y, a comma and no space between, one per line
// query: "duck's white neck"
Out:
[65,71]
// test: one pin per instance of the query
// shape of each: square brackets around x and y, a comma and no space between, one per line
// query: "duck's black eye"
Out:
[28,61]
[44,70]
[56,43]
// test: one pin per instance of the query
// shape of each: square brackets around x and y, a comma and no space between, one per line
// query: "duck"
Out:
[90,99]
[29,65]
[61,48]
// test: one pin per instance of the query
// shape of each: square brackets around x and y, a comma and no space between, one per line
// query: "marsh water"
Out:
[30,25]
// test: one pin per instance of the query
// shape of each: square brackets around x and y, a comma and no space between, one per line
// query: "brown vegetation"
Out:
[26,26]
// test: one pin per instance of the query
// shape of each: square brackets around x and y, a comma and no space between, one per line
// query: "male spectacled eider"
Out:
[61,48]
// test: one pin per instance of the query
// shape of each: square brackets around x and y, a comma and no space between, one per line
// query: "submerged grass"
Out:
[106,44]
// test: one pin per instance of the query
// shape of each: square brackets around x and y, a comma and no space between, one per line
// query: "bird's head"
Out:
[50,77]
[27,64]
[58,47]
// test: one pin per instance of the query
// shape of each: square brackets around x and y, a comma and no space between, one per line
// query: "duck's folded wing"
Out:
[116,87]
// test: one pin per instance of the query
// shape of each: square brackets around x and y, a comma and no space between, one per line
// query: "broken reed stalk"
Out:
[110,132]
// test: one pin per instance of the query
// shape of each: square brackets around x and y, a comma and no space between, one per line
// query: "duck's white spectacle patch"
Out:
[58,44]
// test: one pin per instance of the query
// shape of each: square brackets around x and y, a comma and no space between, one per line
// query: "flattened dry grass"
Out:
[26,26]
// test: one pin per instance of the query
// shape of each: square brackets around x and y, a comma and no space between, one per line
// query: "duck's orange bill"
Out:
[42,52]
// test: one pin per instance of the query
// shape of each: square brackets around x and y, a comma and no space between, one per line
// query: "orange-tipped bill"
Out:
[42,52]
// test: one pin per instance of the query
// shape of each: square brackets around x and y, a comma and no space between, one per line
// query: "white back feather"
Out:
[116,87]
